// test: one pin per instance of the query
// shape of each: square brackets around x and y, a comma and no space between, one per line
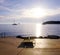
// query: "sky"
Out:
[29,11]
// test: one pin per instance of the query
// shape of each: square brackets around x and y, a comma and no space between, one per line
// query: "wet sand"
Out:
[9,46]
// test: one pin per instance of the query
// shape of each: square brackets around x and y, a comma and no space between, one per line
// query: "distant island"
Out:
[51,22]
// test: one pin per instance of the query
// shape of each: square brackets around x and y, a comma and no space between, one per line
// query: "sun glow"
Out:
[38,29]
[35,12]
[38,12]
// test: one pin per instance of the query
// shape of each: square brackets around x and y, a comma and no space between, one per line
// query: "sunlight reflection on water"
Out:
[38,29]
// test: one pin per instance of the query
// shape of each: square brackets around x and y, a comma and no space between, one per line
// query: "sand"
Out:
[9,46]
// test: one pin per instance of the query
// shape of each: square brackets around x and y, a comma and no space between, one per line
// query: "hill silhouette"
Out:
[51,22]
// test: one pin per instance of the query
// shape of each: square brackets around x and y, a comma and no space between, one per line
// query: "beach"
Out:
[9,46]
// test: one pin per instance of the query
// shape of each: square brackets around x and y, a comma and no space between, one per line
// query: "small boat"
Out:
[14,24]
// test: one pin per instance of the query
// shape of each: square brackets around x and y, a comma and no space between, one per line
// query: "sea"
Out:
[29,29]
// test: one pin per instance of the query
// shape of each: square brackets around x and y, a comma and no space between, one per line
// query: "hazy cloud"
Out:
[2,1]
[20,9]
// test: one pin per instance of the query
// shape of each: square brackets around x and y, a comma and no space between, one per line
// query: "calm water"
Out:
[29,29]
[51,29]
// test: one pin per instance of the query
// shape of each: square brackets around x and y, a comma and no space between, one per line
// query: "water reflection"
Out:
[38,29]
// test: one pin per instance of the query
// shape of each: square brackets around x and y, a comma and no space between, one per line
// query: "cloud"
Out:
[2,1]
[12,5]
[5,8]
[21,9]
[26,13]
[1,16]
[51,12]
